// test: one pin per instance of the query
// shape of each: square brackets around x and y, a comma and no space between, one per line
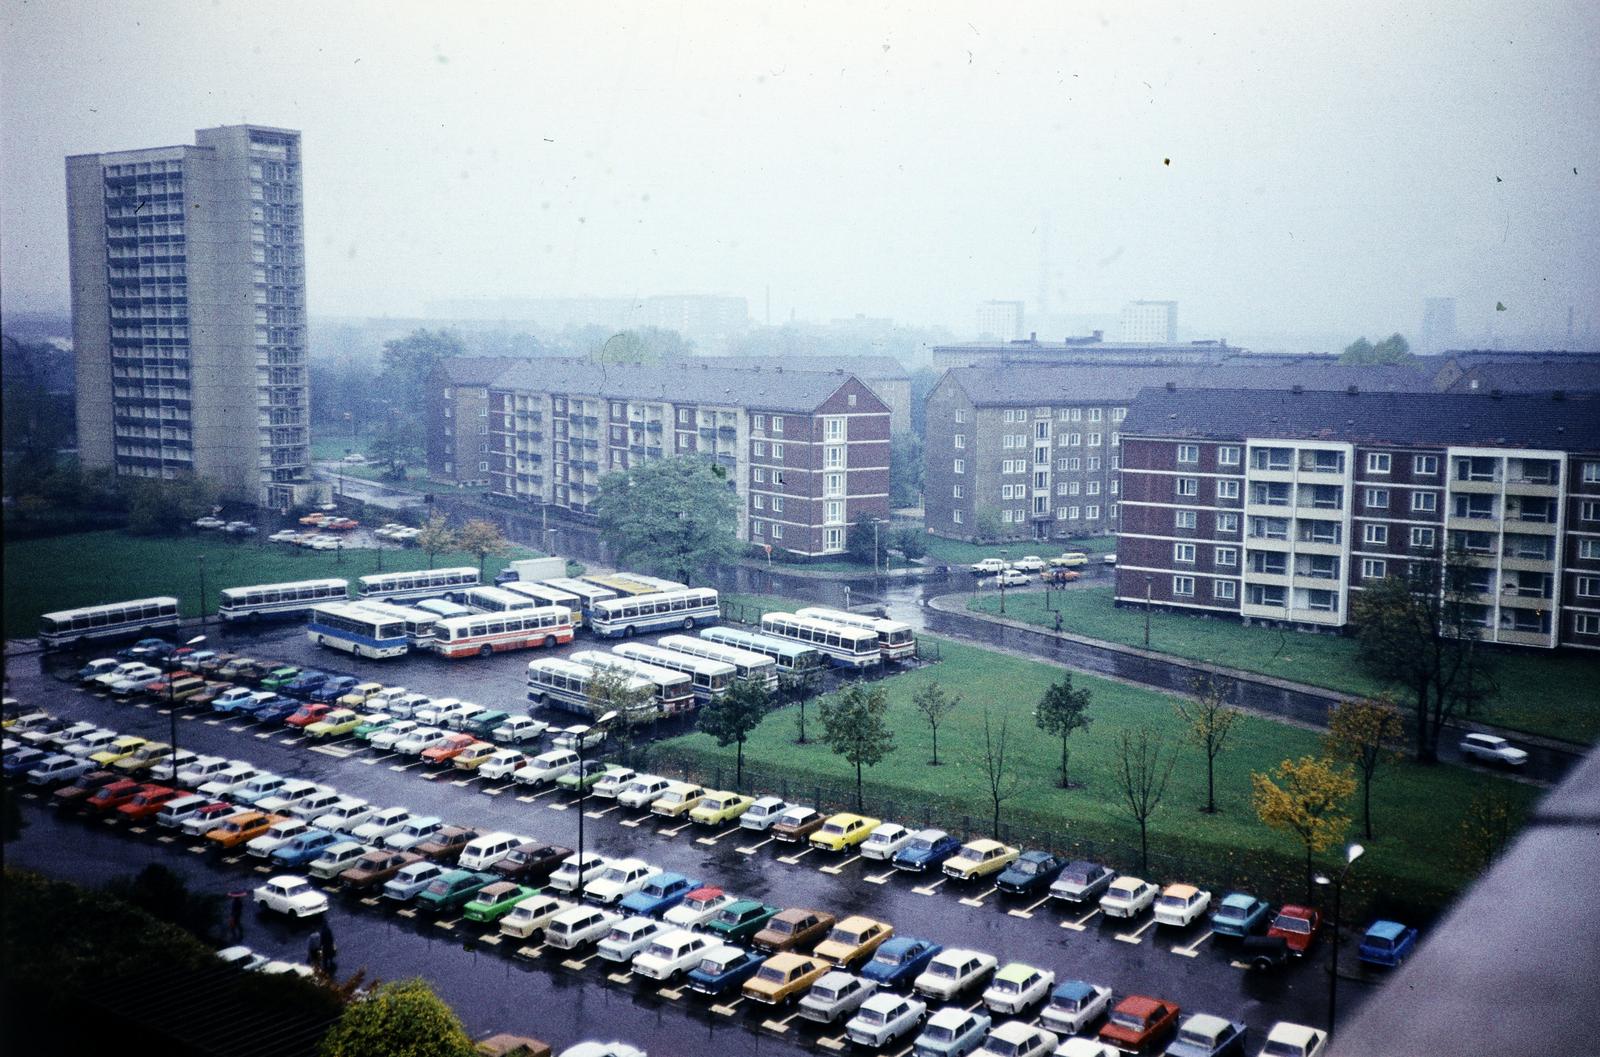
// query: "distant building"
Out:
[1000,320]
[1090,349]
[884,375]
[188,306]
[1149,322]
[1438,325]
[457,425]
[708,319]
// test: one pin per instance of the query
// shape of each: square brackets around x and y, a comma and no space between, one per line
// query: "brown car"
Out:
[376,867]
[798,823]
[213,689]
[531,863]
[446,843]
[796,929]
[73,797]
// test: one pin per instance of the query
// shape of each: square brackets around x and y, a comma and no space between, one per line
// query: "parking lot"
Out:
[1190,966]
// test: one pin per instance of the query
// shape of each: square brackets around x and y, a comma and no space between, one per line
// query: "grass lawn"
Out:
[62,572]
[959,552]
[1417,810]
[1539,693]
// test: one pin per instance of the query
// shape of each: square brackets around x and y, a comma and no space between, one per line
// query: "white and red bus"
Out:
[484,633]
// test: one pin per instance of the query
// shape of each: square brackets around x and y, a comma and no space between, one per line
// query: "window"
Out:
[777,504]
[1589,549]
[1183,552]
[1375,534]
[758,501]
[1091,513]
[1116,439]
[1591,473]
[1425,465]
[1424,502]
[1227,522]
[777,449]
[483,467]
[1094,440]
[833,428]
[1073,487]
[759,450]
[959,466]
[1005,515]
[1589,586]
[777,530]
[833,484]
[833,456]
[1074,463]
[1226,557]
[1111,511]
[1041,456]
[850,401]
[777,427]
[961,415]
[1094,463]
[1183,586]
[1227,489]
[1586,623]
[1589,510]
[1074,439]
[955,516]
[1225,590]
[1377,497]
[1093,489]
[1005,491]
[1094,414]
[1423,537]
[959,440]
[1072,513]
[1184,519]
[758,422]
[1188,453]
[957,492]
[1118,414]
[1041,431]
[1373,568]
[757,528]
[1378,462]
[1228,455]
[1187,486]
[834,511]
[1009,441]
[758,475]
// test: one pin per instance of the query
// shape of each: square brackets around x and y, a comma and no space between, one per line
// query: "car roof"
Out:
[1074,989]
[1239,899]
[705,892]
[846,816]
[742,904]
[1140,1005]
[1295,910]
[899,945]
[1297,1034]
[1386,929]
[949,1017]
[856,922]
[1013,1031]
[1015,972]
[1186,891]
[984,844]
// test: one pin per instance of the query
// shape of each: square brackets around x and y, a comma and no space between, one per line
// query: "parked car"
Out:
[979,858]
[1386,943]
[614,781]
[1127,897]
[382,822]
[207,818]
[797,824]
[1179,905]
[495,900]
[1261,954]
[763,812]
[501,764]
[421,740]
[1010,578]
[336,858]
[678,799]
[390,735]
[1016,1039]
[1070,559]
[567,877]
[641,791]
[900,960]
[926,850]
[629,937]
[884,841]
[515,730]
[1240,914]
[988,566]
[884,1018]
[412,879]
[1493,749]
[582,777]
[836,995]
[529,917]
[1074,1005]
[343,815]
[1203,1035]
[452,890]
[620,879]
[1029,873]
[1297,926]
[718,808]
[672,954]
[853,940]
[740,920]
[698,907]
[54,770]
[843,831]
[952,971]
[335,688]
[335,723]
[276,836]
[1140,1024]
[722,969]
[413,832]
[530,862]
[113,795]
[447,843]
[1017,986]
[794,929]
[547,767]
[784,976]
[289,894]
[375,868]
[1294,1040]
[149,800]
[304,848]
[660,893]
[180,809]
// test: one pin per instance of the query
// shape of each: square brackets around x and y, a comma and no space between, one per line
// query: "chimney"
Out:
[1352,390]
[1097,334]
[1495,394]
[1033,336]
[1297,389]
[1172,387]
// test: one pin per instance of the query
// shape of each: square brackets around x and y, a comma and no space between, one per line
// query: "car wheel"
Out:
[627,632]
[485,650]
[688,623]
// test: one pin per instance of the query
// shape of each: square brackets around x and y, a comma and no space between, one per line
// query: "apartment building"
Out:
[457,425]
[807,453]
[188,312]
[1278,506]
[1092,348]
[884,375]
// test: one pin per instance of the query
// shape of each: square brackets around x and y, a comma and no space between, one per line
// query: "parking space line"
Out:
[213,722]
[1082,923]
[880,879]
[632,823]
[427,776]
[1193,949]
[240,729]
[1137,935]
[493,939]
[166,838]
[708,841]
[779,1026]
[557,805]
[447,924]
[263,734]
[619,978]
[755,847]
[730,1010]
[671,994]
[369,901]
[928,890]
[977,901]
[407,912]
[496,790]
[188,717]
[601,814]
[530,952]
[141,704]
[368,760]
[797,856]
[526,799]
[331,750]
[288,741]
[461,783]
[832,1044]
[1236,964]
[675,830]
[838,867]
[1027,912]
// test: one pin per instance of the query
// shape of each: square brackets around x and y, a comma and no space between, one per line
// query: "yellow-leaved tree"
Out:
[1307,798]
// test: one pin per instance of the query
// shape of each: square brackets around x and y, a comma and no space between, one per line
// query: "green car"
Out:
[737,922]
[497,900]
[593,771]
[374,723]
[483,724]
[451,889]
[278,678]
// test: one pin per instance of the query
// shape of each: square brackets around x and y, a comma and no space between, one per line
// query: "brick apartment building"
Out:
[1277,506]
[807,453]
[457,424]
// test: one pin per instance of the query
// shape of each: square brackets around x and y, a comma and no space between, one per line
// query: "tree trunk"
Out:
[802,721]
[858,787]
[995,828]
[738,765]
[1144,846]
[1310,883]
[1211,784]
[1064,783]
[1366,804]
[935,744]
[1422,726]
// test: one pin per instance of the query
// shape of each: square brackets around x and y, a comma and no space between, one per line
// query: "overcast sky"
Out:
[1327,171]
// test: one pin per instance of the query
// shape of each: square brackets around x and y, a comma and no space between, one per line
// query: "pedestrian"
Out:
[314,952]
[325,935]
[236,916]
[1058,623]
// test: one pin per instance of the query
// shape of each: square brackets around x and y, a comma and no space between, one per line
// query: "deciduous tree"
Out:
[1208,720]
[800,687]
[674,516]
[1001,776]
[436,537]
[855,725]
[481,538]
[1061,711]
[935,702]
[1368,733]
[401,1019]
[1487,826]
[863,537]
[733,717]
[1143,770]
[1306,797]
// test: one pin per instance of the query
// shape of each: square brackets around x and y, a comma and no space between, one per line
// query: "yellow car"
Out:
[120,749]
[783,976]
[337,722]
[853,940]
[979,858]
[358,695]
[679,798]
[715,808]
[843,831]
[144,757]
[470,757]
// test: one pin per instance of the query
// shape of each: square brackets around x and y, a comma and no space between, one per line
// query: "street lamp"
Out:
[172,711]
[583,786]
[1354,852]
[1000,577]
[1148,582]
[202,560]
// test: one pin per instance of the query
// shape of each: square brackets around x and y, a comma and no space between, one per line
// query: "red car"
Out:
[149,800]
[1297,927]
[74,796]
[308,715]
[114,794]
[1140,1024]
[448,749]
[163,686]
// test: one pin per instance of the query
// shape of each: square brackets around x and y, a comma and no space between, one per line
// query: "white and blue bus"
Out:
[545,595]
[896,640]
[139,618]
[563,683]
[355,629]
[421,583]
[273,600]
[674,690]
[748,665]
[495,600]
[624,617]
[843,645]
[421,625]
[710,679]
[790,657]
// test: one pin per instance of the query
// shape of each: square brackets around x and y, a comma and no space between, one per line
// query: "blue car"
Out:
[663,892]
[1386,943]
[276,709]
[335,687]
[305,847]
[1029,873]
[303,684]
[900,960]
[929,848]
[1240,914]
[150,650]
[723,968]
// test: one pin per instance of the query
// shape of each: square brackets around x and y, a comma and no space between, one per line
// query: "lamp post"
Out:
[1352,853]
[172,711]
[583,787]
[1148,582]
[202,560]
[875,523]
[1000,578]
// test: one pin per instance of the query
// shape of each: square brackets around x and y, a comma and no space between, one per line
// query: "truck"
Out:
[531,569]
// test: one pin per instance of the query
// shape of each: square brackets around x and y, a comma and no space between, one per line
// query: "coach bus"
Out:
[790,657]
[563,683]
[354,629]
[748,665]
[665,609]
[844,646]
[710,679]
[519,629]
[545,595]
[251,603]
[441,607]
[495,600]
[139,618]
[588,593]
[674,690]
[419,584]
[896,640]
[624,586]
[421,624]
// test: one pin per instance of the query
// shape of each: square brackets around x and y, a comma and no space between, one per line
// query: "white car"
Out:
[565,877]
[532,915]
[629,937]
[429,711]
[1086,1047]
[952,971]
[1010,578]
[180,809]
[1109,559]
[698,907]
[620,879]
[413,832]
[383,822]
[122,671]
[385,739]
[59,768]
[451,713]
[336,859]
[547,767]
[225,781]
[276,837]
[240,528]
[884,841]
[1016,1039]
[1294,1040]
[502,764]
[199,770]
[405,707]
[1074,1006]
[1178,905]
[96,668]
[263,785]
[411,880]
[201,823]
[243,958]
[385,700]
[135,681]
[162,770]
[579,925]
[1127,897]
[284,536]
[568,738]
[837,994]
[420,741]
[642,791]
[91,743]
[289,894]
[883,1018]
[344,816]
[287,795]
[672,953]
[460,717]
[518,729]
[614,782]
[950,1032]
[763,813]
[1492,749]
[1016,987]
[231,699]
[208,523]
[988,566]
[1029,563]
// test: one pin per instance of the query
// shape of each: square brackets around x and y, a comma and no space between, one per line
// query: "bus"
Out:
[252,603]
[545,595]
[710,679]
[624,586]
[495,600]
[674,691]
[790,657]
[747,664]
[588,593]
[664,609]
[896,640]
[563,683]
[139,618]
[351,627]
[418,584]
[441,607]
[421,624]
[844,646]
[484,633]
[654,582]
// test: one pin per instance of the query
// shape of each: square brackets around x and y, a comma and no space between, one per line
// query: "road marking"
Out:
[142,704]
[730,1010]
[407,912]
[240,729]
[675,830]
[838,867]
[213,722]
[452,923]
[369,901]
[1193,949]
[461,783]
[880,879]
[288,741]
[671,994]
[601,814]
[779,1026]
[197,850]
[493,939]
[526,799]
[928,890]
[977,901]
[369,761]
[832,1044]
[136,829]
[530,952]
[632,823]
[263,734]
[708,841]
[497,791]
[797,856]
[619,978]
[1027,912]
[755,847]
[1137,935]
[263,868]
[1082,923]
[1239,965]
[557,806]
[332,750]
[166,838]
[188,717]
[427,776]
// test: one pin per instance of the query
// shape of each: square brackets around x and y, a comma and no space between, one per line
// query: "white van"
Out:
[176,812]
[485,851]
[580,925]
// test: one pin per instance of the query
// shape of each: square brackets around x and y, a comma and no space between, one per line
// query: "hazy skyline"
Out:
[1327,171]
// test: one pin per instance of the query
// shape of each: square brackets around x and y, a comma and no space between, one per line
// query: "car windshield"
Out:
[972,851]
[439,887]
[921,844]
[1285,923]
[841,936]
[773,975]
[873,1016]
[1025,867]
[1196,1038]
[833,827]
[660,950]
[1131,1021]
[887,958]
[824,994]
[615,875]
[1174,901]
[938,1033]
[781,927]
[729,916]
[944,969]
[1007,987]
[1002,1048]
[1275,1048]
[1064,1004]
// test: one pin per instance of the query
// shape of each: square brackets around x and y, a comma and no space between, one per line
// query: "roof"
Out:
[1239,899]
[1186,891]
[1016,972]
[1016,384]
[697,382]
[1544,376]
[1386,930]
[1298,1034]
[1139,1005]
[477,370]
[1542,422]
[949,1017]
[864,367]
[1073,989]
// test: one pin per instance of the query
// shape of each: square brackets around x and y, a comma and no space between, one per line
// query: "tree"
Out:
[1420,631]
[1307,798]
[855,725]
[650,345]
[1368,733]
[611,690]
[1487,826]
[398,443]
[157,506]
[1209,720]
[1391,350]
[1061,711]
[161,892]
[481,538]
[400,1019]
[866,534]
[986,523]
[408,367]
[732,718]
[801,686]
[1003,779]
[905,470]
[935,702]
[673,516]
[911,541]
[1143,770]
[436,537]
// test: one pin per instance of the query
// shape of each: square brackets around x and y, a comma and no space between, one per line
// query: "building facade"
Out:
[806,453]
[1279,506]
[188,306]
[1000,320]
[1091,349]
[1154,322]
[884,375]
[457,426]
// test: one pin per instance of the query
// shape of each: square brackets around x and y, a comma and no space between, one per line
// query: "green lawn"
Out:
[62,572]
[959,552]
[1417,810]
[1540,693]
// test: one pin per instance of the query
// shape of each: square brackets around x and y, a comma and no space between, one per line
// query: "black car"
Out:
[530,863]
[1030,873]
[1081,882]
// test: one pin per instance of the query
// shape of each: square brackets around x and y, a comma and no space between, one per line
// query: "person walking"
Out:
[236,916]
[325,937]
[314,952]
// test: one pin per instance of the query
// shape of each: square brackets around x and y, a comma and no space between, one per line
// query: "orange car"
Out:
[449,749]
[242,828]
